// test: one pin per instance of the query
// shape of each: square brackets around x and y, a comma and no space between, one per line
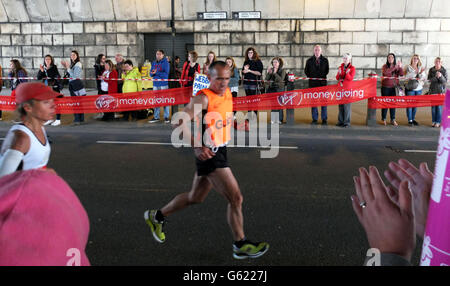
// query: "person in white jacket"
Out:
[416,75]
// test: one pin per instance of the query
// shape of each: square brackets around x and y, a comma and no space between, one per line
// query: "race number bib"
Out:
[201,81]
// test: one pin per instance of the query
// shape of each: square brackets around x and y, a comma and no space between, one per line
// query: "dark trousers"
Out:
[106,115]
[78,117]
[388,91]
[249,92]
[345,113]
[280,111]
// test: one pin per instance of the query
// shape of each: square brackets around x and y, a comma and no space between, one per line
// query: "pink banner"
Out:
[436,243]
[406,101]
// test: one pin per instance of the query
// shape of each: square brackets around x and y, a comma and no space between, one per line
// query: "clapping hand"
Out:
[421,182]
[389,226]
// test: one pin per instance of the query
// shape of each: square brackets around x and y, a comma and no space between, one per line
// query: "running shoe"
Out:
[155,226]
[154,120]
[250,250]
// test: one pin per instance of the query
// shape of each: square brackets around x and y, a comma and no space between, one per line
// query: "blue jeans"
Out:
[166,108]
[315,113]
[436,113]
[411,112]
[387,91]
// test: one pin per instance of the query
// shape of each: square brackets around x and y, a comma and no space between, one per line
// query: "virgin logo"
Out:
[290,98]
[106,101]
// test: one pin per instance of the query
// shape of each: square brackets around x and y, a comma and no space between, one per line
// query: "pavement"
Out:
[299,201]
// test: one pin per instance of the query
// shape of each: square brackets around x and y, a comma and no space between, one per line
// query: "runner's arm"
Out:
[194,111]
[13,156]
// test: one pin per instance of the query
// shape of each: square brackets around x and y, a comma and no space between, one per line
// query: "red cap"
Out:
[34,90]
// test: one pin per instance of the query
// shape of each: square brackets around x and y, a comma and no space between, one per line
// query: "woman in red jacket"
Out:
[109,85]
[190,68]
[345,76]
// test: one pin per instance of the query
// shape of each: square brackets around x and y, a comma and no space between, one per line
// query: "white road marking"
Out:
[180,145]
[420,151]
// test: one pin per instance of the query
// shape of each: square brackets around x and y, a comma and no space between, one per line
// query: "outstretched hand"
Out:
[389,226]
[421,182]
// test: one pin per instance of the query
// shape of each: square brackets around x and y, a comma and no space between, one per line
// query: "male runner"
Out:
[212,165]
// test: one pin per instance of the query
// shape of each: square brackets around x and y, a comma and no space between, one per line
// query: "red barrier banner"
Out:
[311,97]
[320,96]
[113,102]
[406,101]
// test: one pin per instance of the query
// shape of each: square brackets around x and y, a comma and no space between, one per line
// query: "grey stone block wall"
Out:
[369,29]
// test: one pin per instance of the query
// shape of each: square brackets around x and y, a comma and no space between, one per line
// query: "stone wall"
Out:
[368,29]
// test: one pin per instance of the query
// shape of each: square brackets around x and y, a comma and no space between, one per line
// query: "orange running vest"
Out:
[219,117]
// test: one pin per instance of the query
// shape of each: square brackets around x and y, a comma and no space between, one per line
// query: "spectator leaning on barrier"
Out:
[415,73]
[190,68]
[50,76]
[345,75]
[76,87]
[160,70]
[317,67]
[438,77]
[276,75]
[209,60]
[131,83]
[108,85]
[391,69]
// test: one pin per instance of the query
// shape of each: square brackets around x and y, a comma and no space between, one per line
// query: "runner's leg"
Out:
[198,193]
[225,183]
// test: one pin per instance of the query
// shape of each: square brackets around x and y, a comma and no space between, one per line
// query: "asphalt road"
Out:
[299,201]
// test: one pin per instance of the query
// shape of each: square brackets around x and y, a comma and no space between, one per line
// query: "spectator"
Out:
[18,72]
[120,71]
[108,85]
[276,75]
[190,68]
[391,69]
[42,222]
[147,84]
[26,145]
[160,70]
[234,80]
[393,215]
[389,226]
[345,76]
[209,60]
[76,87]
[438,78]
[317,67]
[175,73]
[252,71]
[1,86]
[415,73]
[99,69]
[132,83]
[50,76]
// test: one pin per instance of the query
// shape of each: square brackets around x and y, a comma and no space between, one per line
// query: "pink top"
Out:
[42,222]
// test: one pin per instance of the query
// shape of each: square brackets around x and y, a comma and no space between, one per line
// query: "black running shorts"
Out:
[204,168]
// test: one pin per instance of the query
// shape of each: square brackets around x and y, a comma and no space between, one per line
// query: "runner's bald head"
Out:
[215,66]
[219,76]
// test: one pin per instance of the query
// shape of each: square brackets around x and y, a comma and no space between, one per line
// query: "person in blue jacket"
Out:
[160,70]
